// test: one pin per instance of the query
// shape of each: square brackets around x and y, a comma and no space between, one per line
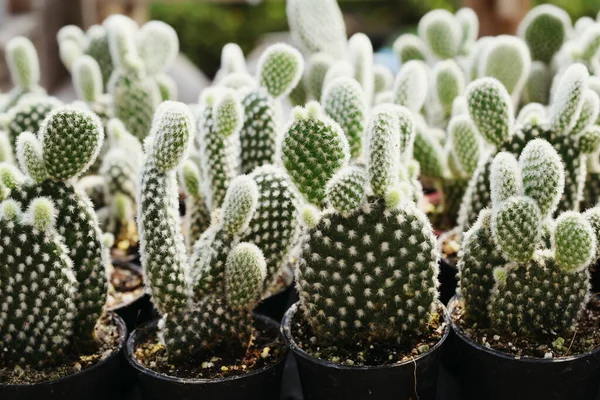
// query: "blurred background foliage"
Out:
[205,26]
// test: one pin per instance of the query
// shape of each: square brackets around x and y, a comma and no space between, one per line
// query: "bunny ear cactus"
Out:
[526,273]
[537,86]
[98,48]
[383,78]
[410,86]
[27,115]
[197,216]
[221,119]
[318,26]
[349,272]
[158,46]
[507,59]
[87,81]
[232,61]
[442,33]
[448,83]
[344,102]
[135,95]
[410,47]
[24,69]
[545,28]
[317,67]
[39,306]
[360,52]
[279,71]
[68,142]
[469,24]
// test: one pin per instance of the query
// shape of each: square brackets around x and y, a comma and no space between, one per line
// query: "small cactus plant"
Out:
[349,270]
[24,69]
[511,278]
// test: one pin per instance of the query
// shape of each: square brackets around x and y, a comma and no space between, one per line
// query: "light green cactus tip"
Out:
[158,46]
[410,47]
[537,86]
[383,150]
[360,53]
[505,178]
[469,23]
[491,109]
[316,71]
[442,33]
[87,79]
[410,86]
[280,69]
[245,272]
[172,129]
[346,190]
[232,60]
[568,98]
[383,78]
[229,114]
[466,144]
[574,241]
[239,204]
[23,62]
[30,156]
[449,83]
[507,59]
[318,25]
[313,149]
[545,28]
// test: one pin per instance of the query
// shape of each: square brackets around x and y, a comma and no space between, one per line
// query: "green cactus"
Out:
[24,68]
[87,81]
[545,28]
[197,216]
[410,47]
[344,102]
[469,23]
[98,48]
[526,272]
[442,33]
[39,326]
[232,61]
[383,78]
[349,272]
[27,115]
[537,86]
[316,70]
[448,83]
[67,143]
[360,53]
[410,86]
[279,70]
[318,26]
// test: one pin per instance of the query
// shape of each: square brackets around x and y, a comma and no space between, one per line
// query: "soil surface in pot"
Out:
[125,285]
[365,353]
[107,334]
[265,348]
[584,338]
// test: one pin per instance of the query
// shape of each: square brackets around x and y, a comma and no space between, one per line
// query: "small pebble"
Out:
[265,352]
[548,355]
[423,348]
[313,340]
[224,368]
[349,362]
[77,367]
[496,337]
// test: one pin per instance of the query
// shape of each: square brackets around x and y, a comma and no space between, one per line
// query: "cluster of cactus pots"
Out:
[323,205]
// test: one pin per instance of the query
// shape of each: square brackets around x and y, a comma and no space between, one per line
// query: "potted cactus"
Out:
[368,318]
[208,344]
[524,313]
[57,341]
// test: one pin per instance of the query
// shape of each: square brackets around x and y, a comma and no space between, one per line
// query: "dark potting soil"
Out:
[107,337]
[125,285]
[584,338]
[265,348]
[365,353]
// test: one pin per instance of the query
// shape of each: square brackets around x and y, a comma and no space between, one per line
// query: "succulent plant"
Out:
[349,269]
[24,68]
[442,33]
[206,298]
[545,28]
[568,127]
[511,278]
[67,143]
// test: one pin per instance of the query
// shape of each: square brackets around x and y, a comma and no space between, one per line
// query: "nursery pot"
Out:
[276,305]
[261,384]
[493,375]
[105,380]
[448,280]
[139,309]
[414,379]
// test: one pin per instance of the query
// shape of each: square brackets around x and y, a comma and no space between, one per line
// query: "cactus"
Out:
[344,102]
[98,48]
[279,70]
[67,143]
[442,33]
[448,83]
[197,216]
[348,270]
[410,47]
[220,120]
[360,52]
[410,86]
[537,86]
[135,95]
[24,69]
[206,299]
[39,326]
[568,127]
[316,70]
[27,115]
[506,267]
[469,23]
[87,81]
[545,28]
[318,26]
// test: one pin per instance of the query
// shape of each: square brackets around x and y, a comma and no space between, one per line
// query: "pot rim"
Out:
[137,269]
[291,343]
[122,341]
[152,325]
[497,353]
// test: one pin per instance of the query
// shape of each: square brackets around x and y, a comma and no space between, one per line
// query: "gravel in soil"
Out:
[365,353]
[125,286]
[107,335]
[264,349]
[584,338]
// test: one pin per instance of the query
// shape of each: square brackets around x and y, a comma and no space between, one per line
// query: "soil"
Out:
[265,349]
[107,334]
[366,353]
[125,286]
[449,244]
[583,339]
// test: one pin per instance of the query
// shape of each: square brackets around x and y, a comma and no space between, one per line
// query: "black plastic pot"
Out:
[140,309]
[493,375]
[262,384]
[415,379]
[448,280]
[105,380]
[276,305]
